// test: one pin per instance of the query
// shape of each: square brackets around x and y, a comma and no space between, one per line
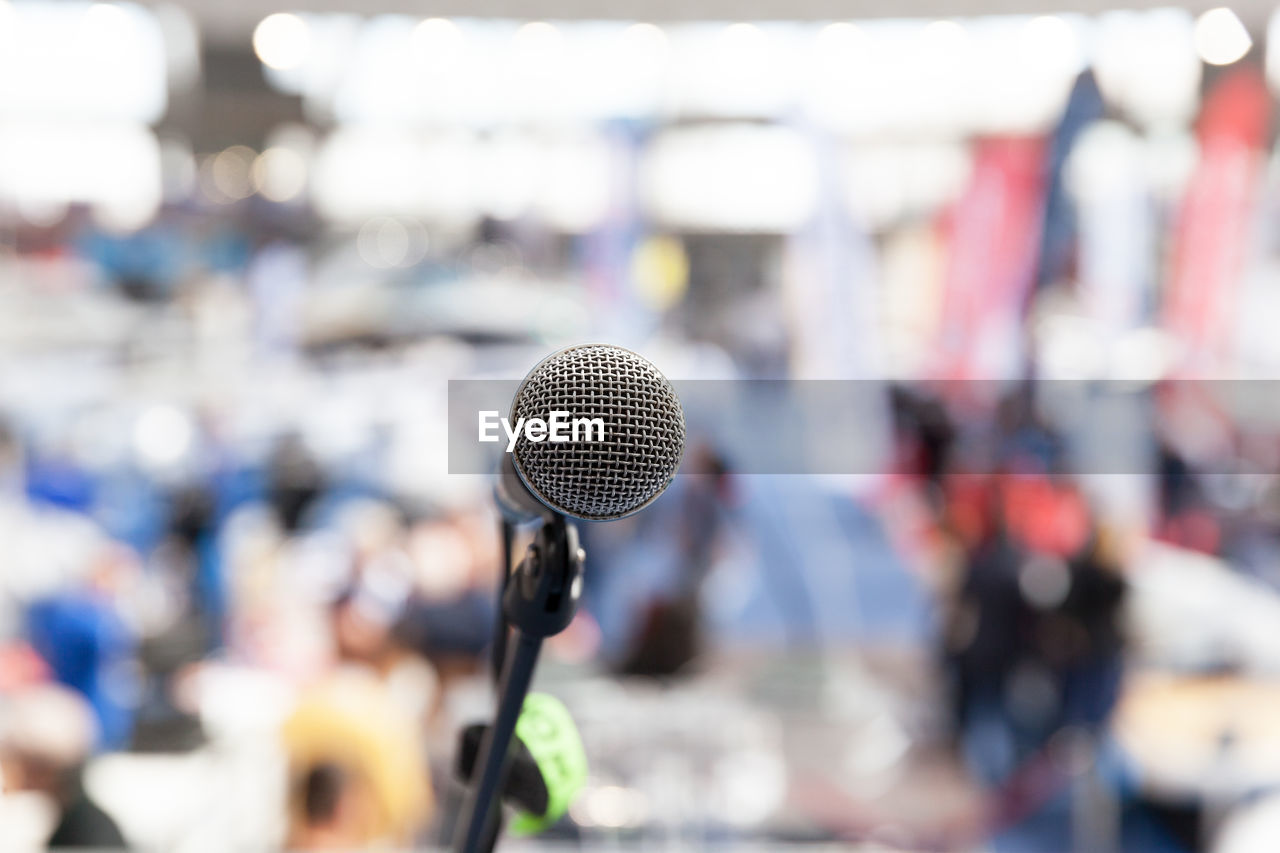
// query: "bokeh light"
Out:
[279,174]
[282,41]
[1221,37]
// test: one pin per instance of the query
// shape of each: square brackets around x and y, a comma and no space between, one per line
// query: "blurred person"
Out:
[373,595]
[362,621]
[48,733]
[60,589]
[357,767]
[982,647]
[368,615]
[449,614]
[1194,438]
[296,481]
[1025,441]
[279,591]
[1042,591]
[89,648]
[186,627]
[1035,649]
[669,635]
[330,810]
[193,526]
[12,480]
[924,433]
[1084,634]
[1187,517]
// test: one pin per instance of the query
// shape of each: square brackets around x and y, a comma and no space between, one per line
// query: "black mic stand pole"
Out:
[498,652]
[539,600]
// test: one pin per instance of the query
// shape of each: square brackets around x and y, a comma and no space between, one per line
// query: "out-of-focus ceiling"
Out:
[233,20]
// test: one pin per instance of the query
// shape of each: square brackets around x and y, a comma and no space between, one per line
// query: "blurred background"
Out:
[244,603]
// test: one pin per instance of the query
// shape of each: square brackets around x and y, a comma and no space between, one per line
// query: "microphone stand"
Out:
[498,652]
[539,600]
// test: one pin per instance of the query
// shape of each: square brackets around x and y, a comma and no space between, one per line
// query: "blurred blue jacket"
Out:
[90,650]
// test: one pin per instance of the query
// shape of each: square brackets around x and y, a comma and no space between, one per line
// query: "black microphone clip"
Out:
[541,595]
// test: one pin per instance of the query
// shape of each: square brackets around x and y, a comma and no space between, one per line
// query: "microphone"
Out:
[622,451]
[597,477]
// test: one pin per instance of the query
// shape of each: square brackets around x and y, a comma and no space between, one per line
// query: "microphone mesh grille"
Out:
[644,432]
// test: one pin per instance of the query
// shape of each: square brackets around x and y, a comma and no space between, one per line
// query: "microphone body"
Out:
[516,503]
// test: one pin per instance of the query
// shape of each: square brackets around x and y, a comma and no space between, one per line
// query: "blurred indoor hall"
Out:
[970,310]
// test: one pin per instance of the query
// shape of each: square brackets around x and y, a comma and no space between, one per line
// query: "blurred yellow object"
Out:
[660,271]
[351,723]
[1204,734]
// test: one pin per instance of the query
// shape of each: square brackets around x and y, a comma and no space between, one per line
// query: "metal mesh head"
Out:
[643,435]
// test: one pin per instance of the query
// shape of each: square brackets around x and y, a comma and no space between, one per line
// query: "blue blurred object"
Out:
[152,258]
[90,650]
[1058,240]
[461,626]
[61,483]
[131,508]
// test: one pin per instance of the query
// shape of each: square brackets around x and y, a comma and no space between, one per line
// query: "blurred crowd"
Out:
[245,601]
[361,611]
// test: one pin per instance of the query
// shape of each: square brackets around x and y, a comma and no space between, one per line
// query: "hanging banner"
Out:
[994,239]
[1058,238]
[1214,225]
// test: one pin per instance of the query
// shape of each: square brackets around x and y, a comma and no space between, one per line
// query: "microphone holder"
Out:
[539,600]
